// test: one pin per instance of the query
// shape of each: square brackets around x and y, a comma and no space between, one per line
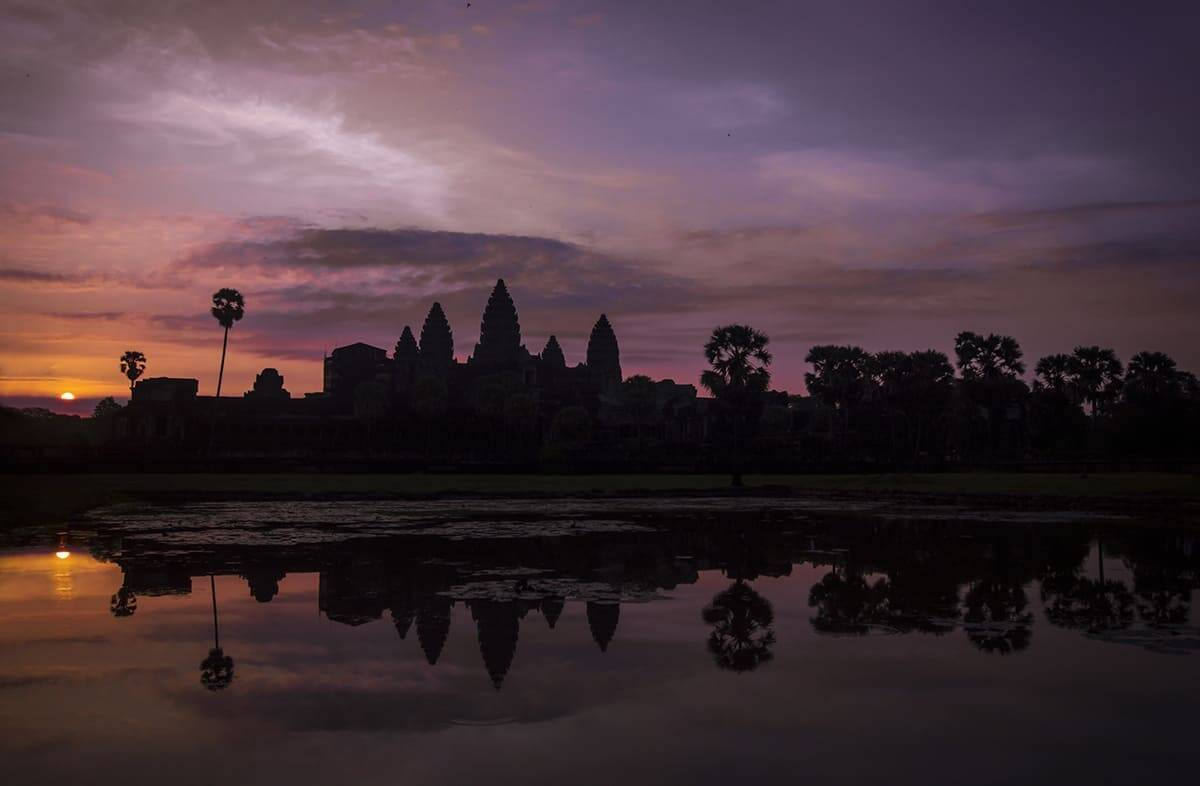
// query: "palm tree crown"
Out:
[228,307]
[739,359]
[133,365]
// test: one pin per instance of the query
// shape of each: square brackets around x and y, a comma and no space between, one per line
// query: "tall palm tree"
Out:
[133,365]
[227,307]
[739,375]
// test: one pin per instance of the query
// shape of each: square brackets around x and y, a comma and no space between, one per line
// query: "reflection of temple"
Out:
[903,578]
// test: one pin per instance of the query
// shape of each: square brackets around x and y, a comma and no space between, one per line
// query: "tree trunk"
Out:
[221,373]
[216,634]
[737,452]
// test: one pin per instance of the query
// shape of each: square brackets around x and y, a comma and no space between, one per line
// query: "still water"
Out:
[700,641]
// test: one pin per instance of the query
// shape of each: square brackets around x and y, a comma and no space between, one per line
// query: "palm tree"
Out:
[216,671]
[839,378]
[1053,374]
[1152,376]
[991,368]
[914,387]
[228,307]
[1095,376]
[739,375]
[988,357]
[133,365]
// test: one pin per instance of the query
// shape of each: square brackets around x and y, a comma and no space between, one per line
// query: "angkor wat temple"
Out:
[421,406]
[499,361]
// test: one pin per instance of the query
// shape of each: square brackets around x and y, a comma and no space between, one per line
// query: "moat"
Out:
[665,640]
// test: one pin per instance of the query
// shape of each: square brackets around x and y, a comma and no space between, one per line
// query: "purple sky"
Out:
[882,173]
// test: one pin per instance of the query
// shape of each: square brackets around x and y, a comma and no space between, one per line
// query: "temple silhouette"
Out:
[503,404]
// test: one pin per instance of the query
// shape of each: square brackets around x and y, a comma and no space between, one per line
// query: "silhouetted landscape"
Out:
[563,392]
[507,409]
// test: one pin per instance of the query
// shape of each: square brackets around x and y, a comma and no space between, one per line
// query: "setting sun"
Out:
[68,396]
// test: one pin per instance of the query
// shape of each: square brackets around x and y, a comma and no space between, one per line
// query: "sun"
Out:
[68,396]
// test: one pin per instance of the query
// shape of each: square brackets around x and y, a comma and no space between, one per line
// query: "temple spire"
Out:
[437,341]
[552,354]
[406,347]
[603,354]
[500,330]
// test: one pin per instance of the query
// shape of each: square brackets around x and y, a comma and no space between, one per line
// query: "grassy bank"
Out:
[51,499]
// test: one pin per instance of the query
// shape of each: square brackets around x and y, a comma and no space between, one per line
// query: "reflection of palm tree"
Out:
[228,307]
[124,603]
[742,628]
[1078,602]
[846,604]
[996,616]
[216,671]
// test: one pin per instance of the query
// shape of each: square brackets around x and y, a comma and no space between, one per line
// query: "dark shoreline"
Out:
[50,500]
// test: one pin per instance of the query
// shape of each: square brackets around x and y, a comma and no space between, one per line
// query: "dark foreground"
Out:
[53,499]
[701,640]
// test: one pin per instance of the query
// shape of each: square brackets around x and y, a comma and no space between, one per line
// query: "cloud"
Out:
[52,215]
[26,276]
[733,106]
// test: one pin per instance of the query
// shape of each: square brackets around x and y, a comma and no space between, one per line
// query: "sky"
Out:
[877,173]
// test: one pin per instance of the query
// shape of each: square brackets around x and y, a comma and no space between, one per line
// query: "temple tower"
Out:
[603,354]
[552,354]
[406,358]
[437,341]
[500,331]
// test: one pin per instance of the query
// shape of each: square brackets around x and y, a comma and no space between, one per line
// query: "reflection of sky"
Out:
[876,173]
[90,698]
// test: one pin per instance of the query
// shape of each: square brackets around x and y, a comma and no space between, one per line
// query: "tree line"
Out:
[920,408]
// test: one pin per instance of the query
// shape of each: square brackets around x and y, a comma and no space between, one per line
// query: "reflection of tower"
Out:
[552,609]
[352,594]
[602,617]
[433,626]
[497,625]
[403,615]
[264,583]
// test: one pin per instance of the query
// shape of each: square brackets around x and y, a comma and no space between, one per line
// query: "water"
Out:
[701,641]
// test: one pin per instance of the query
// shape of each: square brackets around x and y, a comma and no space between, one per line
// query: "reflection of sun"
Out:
[68,396]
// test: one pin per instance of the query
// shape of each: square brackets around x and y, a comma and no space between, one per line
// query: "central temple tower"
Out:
[500,331]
